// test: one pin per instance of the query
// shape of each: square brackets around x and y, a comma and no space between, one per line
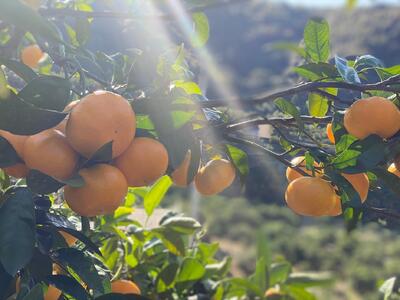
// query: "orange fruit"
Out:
[63,124]
[329,133]
[300,161]
[104,190]
[52,293]
[310,196]
[31,56]
[99,118]
[123,286]
[392,169]
[143,162]
[50,153]
[34,4]
[374,115]
[360,183]
[18,170]
[70,239]
[179,175]
[215,176]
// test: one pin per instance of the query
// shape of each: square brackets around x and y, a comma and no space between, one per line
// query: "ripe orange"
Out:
[123,286]
[179,175]
[52,293]
[63,124]
[31,56]
[143,162]
[50,153]
[70,239]
[104,190]
[99,118]
[310,196]
[292,174]
[360,183]
[18,170]
[329,133]
[392,169]
[374,115]
[215,176]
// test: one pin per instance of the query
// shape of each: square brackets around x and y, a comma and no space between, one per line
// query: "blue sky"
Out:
[333,3]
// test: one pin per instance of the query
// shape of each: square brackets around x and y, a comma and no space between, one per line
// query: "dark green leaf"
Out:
[84,266]
[103,155]
[40,265]
[68,286]
[190,270]
[172,241]
[315,71]
[47,92]
[8,156]
[316,40]
[41,183]
[184,225]
[290,109]
[83,238]
[20,117]
[166,277]
[19,68]
[24,17]
[279,272]
[260,276]
[390,180]
[36,293]
[17,219]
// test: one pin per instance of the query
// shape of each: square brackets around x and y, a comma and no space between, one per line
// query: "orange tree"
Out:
[85,136]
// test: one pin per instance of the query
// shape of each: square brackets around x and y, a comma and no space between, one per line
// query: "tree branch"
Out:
[385,85]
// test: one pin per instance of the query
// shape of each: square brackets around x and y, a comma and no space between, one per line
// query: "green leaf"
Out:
[172,241]
[190,270]
[306,280]
[82,31]
[201,30]
[21,15]
[260,276]
[8,155]
[263,248]
[41,183]
[102,156]
[17,219]
[279,272]
[20,117]
[181,118]
[156,194]
[387,287]
[250,287]
[315,71]
[166,277]
[47,92]
[239,159]
[36,293]
[317,105]
[349,74]
[68,286]
[4,90]
[19,68]
[190,88]
[184,225]
[316,40]
[385,73]
[298,293]
[84,266]
[367,61]
[290,109]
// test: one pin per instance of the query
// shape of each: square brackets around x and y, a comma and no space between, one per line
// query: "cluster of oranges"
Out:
[315,196]
[92,122]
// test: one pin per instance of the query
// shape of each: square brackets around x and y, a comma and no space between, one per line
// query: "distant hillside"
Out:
[242,36]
